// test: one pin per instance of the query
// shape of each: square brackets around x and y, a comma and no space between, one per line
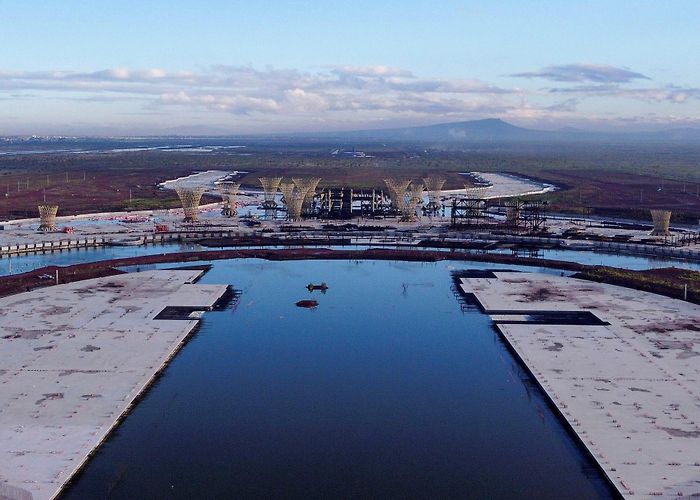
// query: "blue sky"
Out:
[127,67]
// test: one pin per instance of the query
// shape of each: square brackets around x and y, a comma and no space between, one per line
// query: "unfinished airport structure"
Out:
[516,215]
[662,222]
[229,192]
[302,199]
[433,185]
[47,217]
[541,317]
[190,198]
[483,204]
[270,186]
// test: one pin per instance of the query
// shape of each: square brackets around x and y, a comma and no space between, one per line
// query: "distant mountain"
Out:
[488,131]
[495,130]
[491,129]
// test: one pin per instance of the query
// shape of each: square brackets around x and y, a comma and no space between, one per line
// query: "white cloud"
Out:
[584,72]
[338,94]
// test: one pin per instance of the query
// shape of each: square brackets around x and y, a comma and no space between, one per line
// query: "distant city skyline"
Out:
[218,67]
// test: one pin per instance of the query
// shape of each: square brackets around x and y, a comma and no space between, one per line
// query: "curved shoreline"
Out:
[640,280]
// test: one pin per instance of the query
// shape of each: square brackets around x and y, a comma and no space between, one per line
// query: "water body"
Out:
[28,262]
[387,389]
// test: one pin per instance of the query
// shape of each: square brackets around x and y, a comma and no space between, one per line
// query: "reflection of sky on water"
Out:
[383,390]
[17,264]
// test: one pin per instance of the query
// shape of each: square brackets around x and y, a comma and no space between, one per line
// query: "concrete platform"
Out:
[630,390]
[72,360]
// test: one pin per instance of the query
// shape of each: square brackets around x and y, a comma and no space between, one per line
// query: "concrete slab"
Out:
[629,389]
[72,360]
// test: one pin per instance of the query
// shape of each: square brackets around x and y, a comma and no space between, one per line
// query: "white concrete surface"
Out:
[507,186]
[72,360]
[630,390]
[206,179]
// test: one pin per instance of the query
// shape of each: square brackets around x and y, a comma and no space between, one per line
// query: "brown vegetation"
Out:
[606,180]
[669,281]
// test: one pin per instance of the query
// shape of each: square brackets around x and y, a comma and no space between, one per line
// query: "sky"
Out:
[236,67]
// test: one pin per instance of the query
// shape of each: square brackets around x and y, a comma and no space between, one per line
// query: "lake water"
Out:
[19,264]
[387,389]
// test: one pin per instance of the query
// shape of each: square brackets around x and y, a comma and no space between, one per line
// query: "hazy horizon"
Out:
[231,69]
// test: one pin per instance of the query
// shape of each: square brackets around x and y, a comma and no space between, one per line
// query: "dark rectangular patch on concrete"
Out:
[550,318]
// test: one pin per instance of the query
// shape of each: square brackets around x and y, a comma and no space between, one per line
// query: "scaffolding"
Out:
[228,192]
[518,215]
[434,187]
[270,185]
[525,216]
[662,222]
[513,211]
[47,217]
[190,198]
[469,212]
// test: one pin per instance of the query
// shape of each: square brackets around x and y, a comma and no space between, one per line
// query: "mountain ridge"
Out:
[498,130]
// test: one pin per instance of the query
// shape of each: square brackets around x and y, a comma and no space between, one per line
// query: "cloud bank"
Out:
[339,96]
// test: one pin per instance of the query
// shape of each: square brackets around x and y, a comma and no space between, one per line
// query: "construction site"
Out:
[493,219]
[490,207]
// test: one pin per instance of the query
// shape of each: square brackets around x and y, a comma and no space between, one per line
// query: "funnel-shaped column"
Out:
[434,187]
[411,199]
[397,192]
[190,198]
[270,185]
[47,217]
[662,222]
[228,192]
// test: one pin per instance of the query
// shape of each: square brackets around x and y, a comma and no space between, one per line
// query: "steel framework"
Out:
[287,190]
[228,192]
[527,216]
[411,200]
[434,187]
[397,192]
[662,222]
[469,212]
[294,205]
[520,216]
[270,185]
[308,185]
[47,217]
[190,198]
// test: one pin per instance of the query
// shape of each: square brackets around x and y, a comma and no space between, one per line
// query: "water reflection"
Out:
[387,389]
